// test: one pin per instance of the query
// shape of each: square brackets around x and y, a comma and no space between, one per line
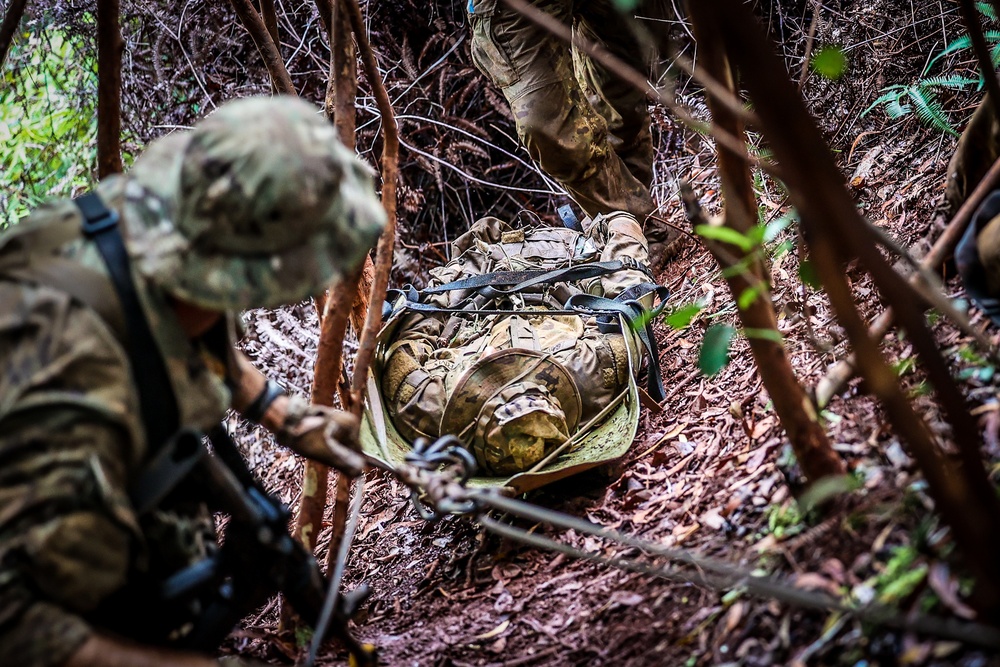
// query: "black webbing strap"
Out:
[157,403]
[516,281]
[641,321]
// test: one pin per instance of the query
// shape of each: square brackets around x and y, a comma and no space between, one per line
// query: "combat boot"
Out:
[665,242]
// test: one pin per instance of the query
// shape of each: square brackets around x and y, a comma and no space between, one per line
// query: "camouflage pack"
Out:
[523,377]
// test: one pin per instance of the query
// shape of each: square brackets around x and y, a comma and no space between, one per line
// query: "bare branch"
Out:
[838,376]
[109,88]
[836,233]
[268,50]
[11,20]
[801,423]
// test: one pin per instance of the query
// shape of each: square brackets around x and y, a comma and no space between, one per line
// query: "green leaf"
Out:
[725,235]
[626,5]
[764,334]
[683,316]
[896,110]
[808,275]
[779,225]
[715,349]
[889,93]
[824,489]
[902,586]
[963,42]
[952,81]
[986,9]
[830,62]
[783,249]
[749,295]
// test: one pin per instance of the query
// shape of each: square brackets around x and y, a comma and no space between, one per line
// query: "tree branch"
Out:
[812,448]
[836,233]
[11,20]
[838,376]
[266,46]
[109,88]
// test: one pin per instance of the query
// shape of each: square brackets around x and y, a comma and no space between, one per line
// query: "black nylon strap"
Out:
[255,411]
[641,321]
[520,280]
[157,403]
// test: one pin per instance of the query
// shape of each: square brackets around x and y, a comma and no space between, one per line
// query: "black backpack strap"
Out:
[515,281]
[639,319]
[158,405]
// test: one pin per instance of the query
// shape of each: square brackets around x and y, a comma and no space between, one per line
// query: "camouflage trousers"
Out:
[586,128]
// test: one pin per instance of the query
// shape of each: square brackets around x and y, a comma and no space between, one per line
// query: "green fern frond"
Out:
[947,81]
[986,9]
[929,110]
[889,94]
[963,42]
[960,43]
[896,110]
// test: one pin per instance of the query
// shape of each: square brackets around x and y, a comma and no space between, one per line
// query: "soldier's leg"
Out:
[625,108]
[559,127]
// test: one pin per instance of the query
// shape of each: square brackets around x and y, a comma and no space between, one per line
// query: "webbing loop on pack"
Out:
[639,318]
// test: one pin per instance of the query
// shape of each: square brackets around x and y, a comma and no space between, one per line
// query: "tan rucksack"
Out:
[517,345]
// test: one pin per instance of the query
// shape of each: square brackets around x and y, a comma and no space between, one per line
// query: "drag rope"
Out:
[333,593]
[437,491]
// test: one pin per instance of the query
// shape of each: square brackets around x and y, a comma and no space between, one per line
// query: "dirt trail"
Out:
[711,472]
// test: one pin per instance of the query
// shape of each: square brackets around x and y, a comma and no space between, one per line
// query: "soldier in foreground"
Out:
[143,280]
[585,127]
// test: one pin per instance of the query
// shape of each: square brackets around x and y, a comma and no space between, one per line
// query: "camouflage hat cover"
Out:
[259,205]
[511,408]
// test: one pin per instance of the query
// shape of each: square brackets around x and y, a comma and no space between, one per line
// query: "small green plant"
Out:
[48,105]
[715,349]
[921,97]
[979,367]
[784,520]
[901,577]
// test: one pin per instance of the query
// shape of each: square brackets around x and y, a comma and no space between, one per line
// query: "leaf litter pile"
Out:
[711,472]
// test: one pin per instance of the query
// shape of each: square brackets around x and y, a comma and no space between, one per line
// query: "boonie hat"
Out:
[259,205]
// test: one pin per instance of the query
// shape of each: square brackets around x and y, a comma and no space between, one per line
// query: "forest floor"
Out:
[711,472]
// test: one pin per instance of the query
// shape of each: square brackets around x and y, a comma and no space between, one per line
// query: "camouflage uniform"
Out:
[584,127]
[513,387]
[71,440]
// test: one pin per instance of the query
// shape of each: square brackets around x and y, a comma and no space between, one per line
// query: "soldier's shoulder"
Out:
[56,353]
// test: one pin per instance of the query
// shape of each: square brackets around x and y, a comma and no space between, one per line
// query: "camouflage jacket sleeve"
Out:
[67,447]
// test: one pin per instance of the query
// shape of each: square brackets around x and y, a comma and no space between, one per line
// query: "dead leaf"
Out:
[734,616]
[946,587]
[625,599]
[681,533]
[495,632]
[713,519]
[813,581]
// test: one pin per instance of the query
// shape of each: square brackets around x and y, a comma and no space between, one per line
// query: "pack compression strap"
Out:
[520,280]
[158,405]
[641,321]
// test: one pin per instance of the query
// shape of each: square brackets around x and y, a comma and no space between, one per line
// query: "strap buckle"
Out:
[92,227]
[96,216]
